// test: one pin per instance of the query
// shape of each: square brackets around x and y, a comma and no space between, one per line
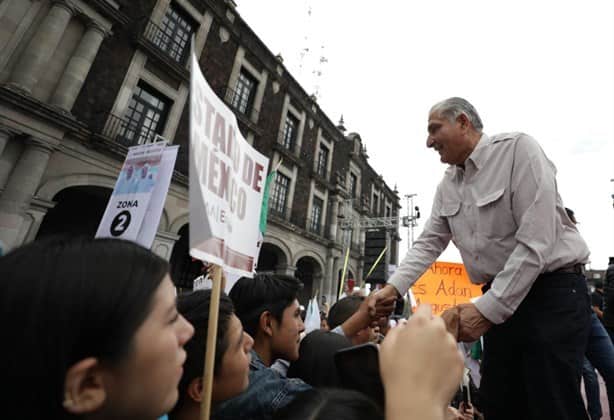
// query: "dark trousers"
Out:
[532,362]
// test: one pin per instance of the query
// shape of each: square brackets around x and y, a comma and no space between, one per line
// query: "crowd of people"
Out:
[94,328]
[97,332]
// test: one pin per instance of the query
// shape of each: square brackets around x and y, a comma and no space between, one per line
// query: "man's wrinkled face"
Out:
[449,139]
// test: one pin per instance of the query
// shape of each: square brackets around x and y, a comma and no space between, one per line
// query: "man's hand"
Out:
[472,323]
[381,303]
[452,319]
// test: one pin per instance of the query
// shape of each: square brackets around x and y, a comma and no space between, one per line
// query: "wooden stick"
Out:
[216,279]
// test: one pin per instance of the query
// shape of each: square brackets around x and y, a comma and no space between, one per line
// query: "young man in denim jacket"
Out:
[269,310]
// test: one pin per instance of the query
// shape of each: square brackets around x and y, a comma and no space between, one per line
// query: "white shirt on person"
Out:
[503,212]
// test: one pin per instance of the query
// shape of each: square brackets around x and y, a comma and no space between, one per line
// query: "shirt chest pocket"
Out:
[451,211]
[495,219]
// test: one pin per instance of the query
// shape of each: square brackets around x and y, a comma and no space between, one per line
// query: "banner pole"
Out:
[205,406]
[345,267]
[375,263]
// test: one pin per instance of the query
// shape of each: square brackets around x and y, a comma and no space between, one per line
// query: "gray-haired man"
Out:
[498,203]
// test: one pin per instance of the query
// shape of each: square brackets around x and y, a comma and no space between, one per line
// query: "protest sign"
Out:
[445,285]
[149,228]
[127,207]
[227,180]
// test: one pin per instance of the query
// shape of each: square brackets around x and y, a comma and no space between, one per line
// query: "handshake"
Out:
[463,321]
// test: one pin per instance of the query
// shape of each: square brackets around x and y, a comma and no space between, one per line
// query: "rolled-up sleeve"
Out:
[431,243]
[534,201]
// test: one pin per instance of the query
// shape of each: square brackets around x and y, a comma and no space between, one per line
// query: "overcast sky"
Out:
[542,67]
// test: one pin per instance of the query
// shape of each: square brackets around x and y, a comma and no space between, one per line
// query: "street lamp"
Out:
[409,221]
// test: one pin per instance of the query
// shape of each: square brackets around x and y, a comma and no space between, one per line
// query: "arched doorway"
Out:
[184,269]
[309,272]
[272,259]
[77,212]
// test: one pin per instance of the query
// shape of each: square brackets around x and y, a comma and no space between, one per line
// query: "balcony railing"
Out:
[280,212]
[165,43]
[315,226]
[126,132]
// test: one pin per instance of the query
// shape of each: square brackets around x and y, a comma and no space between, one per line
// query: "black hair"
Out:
[265,292]
[66,299]
[571,214]
[325,404]
[343,309]
[194,307]
[316,362]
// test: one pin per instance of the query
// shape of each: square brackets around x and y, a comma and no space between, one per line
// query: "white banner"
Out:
[227,179]
[125,213]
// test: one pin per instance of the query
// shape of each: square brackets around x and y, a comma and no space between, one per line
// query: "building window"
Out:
[290,132]
[322,163]
[243,98]
[375,208]
[353,182]
[279,196]
[388,211]
[315,223]
[145,117]
[173,36]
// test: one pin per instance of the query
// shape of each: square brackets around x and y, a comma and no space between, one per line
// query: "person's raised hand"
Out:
[472,324]
[381,303]
[420,366]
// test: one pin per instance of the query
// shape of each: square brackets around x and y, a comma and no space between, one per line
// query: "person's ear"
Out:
[265,323]
[463,120]
[195,389]
[84,390]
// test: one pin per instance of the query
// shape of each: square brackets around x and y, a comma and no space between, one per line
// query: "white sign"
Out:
[125,214]
[153,214]
[227,179]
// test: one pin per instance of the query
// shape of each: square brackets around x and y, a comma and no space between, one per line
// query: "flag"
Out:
[312,319]
[264,211]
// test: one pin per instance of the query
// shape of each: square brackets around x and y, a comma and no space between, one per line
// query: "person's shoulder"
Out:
[511,137]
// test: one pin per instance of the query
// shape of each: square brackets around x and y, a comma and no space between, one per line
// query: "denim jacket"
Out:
[267,392]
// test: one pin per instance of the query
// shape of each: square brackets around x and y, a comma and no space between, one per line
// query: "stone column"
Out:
[5,136]
[42,46]
[288,270]
[78,67]
[163,244]
[20,189]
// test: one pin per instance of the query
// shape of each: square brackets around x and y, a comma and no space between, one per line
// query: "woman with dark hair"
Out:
[325,404]
[95,331]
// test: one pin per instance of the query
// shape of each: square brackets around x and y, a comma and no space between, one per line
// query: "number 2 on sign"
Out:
[120,223]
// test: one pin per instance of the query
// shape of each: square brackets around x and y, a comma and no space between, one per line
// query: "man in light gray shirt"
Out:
[498,203]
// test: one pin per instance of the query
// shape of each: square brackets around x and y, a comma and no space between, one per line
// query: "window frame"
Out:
[135,125]
[313,226]
[241,102]
[175,32]
[289,141]
[322,164]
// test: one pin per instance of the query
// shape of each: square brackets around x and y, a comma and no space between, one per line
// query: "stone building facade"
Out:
[82,80]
